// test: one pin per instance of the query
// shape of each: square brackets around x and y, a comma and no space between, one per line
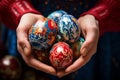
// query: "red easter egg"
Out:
[61,55]
[10,68]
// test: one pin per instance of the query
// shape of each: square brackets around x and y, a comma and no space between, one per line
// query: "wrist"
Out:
[93,17]
[34,15]
[22,7]
[90,16]
[11,13]
[100,12]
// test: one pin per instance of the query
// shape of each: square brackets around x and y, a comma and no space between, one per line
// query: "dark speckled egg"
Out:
[42,56]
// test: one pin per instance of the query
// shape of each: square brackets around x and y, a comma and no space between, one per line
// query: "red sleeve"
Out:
[106,11]
[12,10]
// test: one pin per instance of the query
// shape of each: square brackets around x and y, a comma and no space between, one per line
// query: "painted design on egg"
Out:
[68,28]
[42,34]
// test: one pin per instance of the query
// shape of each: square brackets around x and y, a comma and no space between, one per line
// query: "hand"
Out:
[23,45]
[90,30]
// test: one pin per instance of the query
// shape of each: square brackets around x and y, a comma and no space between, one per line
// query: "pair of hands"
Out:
[89,28]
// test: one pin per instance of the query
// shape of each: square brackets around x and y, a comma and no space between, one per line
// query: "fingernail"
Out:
[84,52]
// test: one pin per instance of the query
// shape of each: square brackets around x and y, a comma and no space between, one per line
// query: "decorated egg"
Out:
[41,55]
[56,15]
[68,28]
[61,55]
[76,46]
[42,34]
[10,68]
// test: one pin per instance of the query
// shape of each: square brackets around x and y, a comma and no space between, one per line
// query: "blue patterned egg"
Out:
[42,34]
[76,46]
[56,15]
[68,28]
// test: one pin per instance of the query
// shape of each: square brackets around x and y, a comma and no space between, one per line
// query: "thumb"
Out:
[90,41]
[85,48]
[24,46]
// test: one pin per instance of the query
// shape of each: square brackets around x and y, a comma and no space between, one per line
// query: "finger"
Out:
[62,73]
[20,50]
[41,66]
[81,61]
[37,64]
[22,41]
[91,39]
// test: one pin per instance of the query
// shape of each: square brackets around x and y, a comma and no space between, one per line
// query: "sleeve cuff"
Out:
[102,9]
[11,13]
[100,12]
[20,8]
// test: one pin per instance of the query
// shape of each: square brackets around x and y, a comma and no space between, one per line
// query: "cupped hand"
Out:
[90,30]
[23,45]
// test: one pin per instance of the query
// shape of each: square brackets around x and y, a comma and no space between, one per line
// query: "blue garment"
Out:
[73,7]
[10,39]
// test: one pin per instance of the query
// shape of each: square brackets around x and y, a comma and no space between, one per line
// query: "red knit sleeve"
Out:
[103,11]
[12,10]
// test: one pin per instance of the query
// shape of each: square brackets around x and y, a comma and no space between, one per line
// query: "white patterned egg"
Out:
[68,28]
[56,15]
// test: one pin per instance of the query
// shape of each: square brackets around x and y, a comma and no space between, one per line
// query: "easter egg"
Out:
[42,56]
[61,55]
[68,28]
[42,34]
[76,46]
[10,68]
[56,15]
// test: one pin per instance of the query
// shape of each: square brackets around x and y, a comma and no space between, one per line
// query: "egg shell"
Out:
[42,56]
[61,55]
[56,15]
[76,46]
[68,28]
[10,68]
[42,34]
